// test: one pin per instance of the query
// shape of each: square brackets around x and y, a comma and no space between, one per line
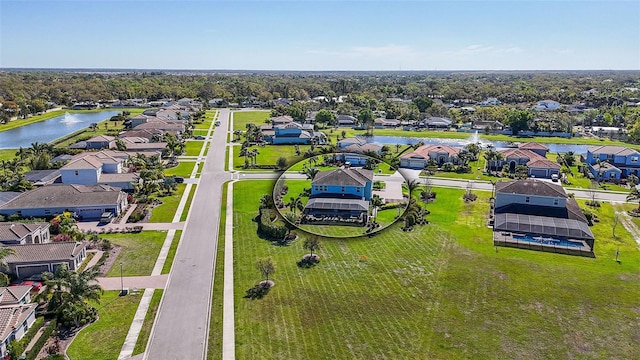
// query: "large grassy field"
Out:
[139,252]
[103,339]
[242,118]
[441,291]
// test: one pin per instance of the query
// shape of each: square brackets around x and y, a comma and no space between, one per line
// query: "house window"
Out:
[634,159]
[527,199]
[343,189]
[76,172]
[357,189]
[47,212]
[555,201]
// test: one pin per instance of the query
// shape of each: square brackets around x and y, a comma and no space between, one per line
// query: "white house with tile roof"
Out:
[24,233]
[34,259]
[15,321]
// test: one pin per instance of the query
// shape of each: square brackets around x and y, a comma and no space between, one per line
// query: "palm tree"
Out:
[412,185]
[634,195]
[295,203]
[4,252]
[311,173]
[266,201]
[376,202]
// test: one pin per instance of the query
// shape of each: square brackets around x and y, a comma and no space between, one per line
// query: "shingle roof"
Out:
[57,251]
[12,316]
[51,196]
[101,138]
[424,150]
[613,150]
[604,166]
[13,294]
[17,231]
[531,187]
[343,177]
[361,148]
[6,196]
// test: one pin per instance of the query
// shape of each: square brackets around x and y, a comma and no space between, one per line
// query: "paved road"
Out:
[182,323]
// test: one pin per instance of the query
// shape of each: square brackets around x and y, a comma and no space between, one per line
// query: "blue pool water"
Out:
[547,241]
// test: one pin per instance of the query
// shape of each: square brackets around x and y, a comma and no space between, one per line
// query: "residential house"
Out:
[539,215]
[535,147]
[537,165]
[100,168]
[87,202]
[101,142]
[13,295]
[435,122]
[281,120]
[34,259]
[418,159]
[291,133]
[382,123]
[351,150]
[546,105]
[15,321]
[487,125]
[342,193]
[24,233]
[490,102]
[346,120]
[621,162]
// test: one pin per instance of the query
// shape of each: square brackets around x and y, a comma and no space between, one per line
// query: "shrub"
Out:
[257,292]
[267,228]
[31,355]
[16,348]
[469,196]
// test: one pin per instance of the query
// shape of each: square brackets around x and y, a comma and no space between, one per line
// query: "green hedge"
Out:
[46,334]
[16,348]
[267,228]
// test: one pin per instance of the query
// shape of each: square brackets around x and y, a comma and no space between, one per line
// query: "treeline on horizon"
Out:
[29,92]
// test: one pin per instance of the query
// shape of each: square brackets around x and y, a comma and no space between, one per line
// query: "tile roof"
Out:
[13,294]
[531,187]
[17,231]
[604,166]
[56,251]
[122,177]
[52,196]
[146,146]
[101,138]
[612,150]
[343,177]
[533,145]
[361,148]
[424,150]
[533,159]
[12,317]
[87,162]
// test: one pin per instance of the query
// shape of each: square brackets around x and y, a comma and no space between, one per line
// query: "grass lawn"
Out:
[214,345]
[192,148]
[242,118]
[185,212]
[165,212]
[166,268]
[7,154]
[139,252]
[141,344]
[268,155]
[103,339]
[200,132]
[183,169]
[441,291]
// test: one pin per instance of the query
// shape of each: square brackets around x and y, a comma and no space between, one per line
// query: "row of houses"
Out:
[531,155]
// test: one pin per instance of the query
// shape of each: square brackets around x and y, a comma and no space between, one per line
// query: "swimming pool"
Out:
[545,240]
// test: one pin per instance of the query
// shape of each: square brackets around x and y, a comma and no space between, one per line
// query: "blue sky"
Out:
[321,35]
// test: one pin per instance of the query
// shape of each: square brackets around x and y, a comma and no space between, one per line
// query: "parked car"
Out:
[199,137]
[106,217]
[178,179]
[217,122]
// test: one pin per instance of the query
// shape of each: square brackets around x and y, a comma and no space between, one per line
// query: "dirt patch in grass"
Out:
[110,260]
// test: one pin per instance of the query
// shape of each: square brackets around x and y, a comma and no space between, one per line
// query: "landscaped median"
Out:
[441,291]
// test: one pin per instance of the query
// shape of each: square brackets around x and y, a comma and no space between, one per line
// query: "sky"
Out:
[321,35]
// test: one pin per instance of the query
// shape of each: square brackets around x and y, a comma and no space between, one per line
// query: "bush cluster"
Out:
[267,228]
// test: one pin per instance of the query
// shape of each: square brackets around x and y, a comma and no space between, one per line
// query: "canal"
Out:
[51,129]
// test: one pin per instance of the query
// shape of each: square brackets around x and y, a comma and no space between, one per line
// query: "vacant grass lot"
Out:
[242,118]
[441,291]
[268,155]
[139,252]
[103,339]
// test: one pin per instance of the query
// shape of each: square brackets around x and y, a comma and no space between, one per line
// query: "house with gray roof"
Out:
[43,177]
[621,162]
[24,233]
[539,215]
[104,167]
[87,202]
[34,259]
[346,120]
[352,150]
[101,142]
[12,295]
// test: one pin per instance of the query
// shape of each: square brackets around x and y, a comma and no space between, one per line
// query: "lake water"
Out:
[392,140]
[48,130]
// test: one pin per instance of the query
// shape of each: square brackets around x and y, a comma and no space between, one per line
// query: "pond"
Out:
[51,129]
[393,140]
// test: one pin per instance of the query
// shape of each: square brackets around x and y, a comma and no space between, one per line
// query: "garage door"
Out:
[416,164]
[90,214]
[539,173]
[29,270]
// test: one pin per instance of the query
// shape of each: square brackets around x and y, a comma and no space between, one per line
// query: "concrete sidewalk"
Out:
[131,282]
